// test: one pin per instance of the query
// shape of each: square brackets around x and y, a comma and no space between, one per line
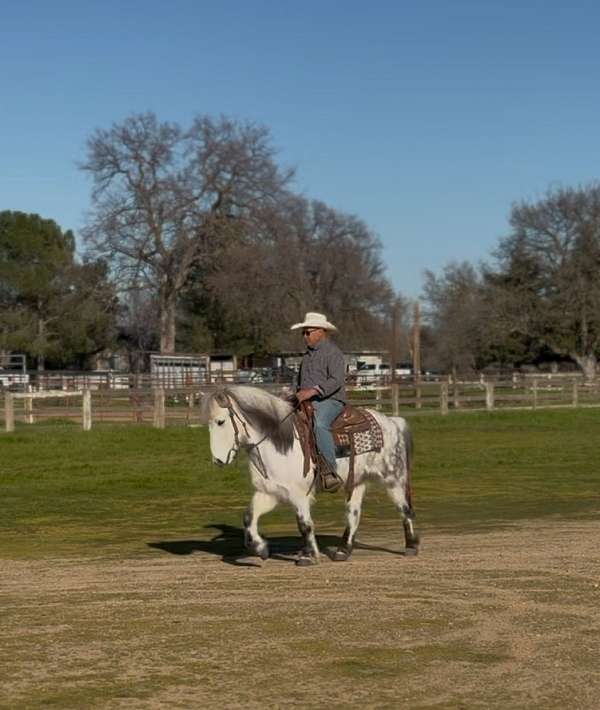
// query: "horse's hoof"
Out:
[306,560]
[411,551]
[263,552]
[341,556]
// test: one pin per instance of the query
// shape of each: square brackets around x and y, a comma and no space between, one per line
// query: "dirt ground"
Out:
[503,619]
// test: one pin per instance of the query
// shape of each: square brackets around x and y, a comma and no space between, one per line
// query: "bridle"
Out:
[223,400]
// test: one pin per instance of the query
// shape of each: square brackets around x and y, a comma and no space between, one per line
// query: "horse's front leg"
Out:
[353,511]
[309,554]
[261,503]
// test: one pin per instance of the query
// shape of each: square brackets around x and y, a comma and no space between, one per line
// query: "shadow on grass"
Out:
[228,544]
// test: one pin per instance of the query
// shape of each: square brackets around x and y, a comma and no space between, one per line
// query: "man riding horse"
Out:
[321,380]
[280,449]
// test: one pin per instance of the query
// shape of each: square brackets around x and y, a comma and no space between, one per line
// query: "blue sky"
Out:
[426,119]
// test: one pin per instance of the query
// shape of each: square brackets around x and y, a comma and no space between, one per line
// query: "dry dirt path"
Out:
[505,619]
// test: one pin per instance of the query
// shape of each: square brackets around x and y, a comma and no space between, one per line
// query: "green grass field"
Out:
[111,490]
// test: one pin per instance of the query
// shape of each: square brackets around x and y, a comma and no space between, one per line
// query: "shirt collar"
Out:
[317,346]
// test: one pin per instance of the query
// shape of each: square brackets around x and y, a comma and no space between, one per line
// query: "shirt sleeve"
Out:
[336,373]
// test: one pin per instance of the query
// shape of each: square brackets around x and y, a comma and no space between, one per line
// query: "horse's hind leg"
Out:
[309,554]
[353,511]
[261,503]
[398,494]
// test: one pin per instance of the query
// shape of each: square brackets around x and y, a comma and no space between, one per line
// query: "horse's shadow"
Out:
[228,544]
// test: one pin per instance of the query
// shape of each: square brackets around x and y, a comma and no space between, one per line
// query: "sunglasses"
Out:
[308,331]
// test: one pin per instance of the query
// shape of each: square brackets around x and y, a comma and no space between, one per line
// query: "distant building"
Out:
[355,360]
[185,369]
[175,370]
[363,359]
[222,366]
[13,371]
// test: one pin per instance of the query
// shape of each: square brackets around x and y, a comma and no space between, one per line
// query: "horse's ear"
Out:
[222,399]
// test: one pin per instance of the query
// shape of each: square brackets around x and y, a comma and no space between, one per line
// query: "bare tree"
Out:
[454,313]
[547,284]
[305,256]
[165,200]
[138,322]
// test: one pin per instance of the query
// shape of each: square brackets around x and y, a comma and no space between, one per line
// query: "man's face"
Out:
[313,336]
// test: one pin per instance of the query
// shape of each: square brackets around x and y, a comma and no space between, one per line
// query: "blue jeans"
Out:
[326,411]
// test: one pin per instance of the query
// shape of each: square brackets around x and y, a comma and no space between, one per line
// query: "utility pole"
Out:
[417,340]
[394,355]
[417,353]
[394,350]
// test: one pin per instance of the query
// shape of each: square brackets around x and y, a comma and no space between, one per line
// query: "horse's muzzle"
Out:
[231,454]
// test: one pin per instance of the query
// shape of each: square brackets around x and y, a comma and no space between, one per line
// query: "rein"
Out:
[225,401]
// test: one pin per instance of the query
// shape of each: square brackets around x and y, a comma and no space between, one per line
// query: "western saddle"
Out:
[355,431]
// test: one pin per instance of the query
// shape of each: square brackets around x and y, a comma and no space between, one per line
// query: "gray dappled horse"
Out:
[243,417]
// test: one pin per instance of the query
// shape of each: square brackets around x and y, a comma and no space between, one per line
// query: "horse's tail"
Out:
[409,448]
[406,440]
[409,445]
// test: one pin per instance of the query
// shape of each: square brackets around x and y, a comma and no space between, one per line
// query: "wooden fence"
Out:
[28,398]
[160,407]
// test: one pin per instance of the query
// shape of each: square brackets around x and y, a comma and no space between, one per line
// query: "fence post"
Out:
[9,412]
[28,404]
[191,402]
[455,400]
[159,408]
[444,397]
[136,404]
[86,408]
[575,393]
[489,396]
[535,393]
[378,399]
[395,399]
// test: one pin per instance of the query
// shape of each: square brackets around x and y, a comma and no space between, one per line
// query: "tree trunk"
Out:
[168,302]
[588,364]
[41,334]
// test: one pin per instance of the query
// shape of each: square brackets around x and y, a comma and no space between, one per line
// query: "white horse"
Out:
[246,417]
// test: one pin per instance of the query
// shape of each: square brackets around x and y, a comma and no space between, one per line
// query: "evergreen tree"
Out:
[53,309]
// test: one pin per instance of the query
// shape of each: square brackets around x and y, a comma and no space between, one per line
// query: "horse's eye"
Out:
[220,422]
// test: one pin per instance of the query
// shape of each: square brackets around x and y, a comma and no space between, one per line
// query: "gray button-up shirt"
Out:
[324,368]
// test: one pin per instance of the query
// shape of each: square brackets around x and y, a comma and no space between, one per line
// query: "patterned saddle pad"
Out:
[356,431]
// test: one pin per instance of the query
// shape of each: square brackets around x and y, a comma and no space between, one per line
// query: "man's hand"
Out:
[307,393]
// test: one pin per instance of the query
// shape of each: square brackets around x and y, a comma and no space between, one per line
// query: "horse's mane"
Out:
[265,412]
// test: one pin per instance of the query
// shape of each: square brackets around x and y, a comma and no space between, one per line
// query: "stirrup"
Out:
[329,482]
[327,479]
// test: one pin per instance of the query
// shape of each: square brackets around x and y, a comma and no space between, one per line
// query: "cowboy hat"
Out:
[314,320]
